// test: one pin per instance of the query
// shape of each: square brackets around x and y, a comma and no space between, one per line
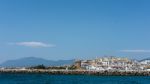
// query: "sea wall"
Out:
[80,72]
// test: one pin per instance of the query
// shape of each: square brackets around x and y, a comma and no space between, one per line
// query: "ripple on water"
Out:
[71,79]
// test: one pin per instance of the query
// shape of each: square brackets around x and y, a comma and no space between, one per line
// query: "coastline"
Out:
[78,72]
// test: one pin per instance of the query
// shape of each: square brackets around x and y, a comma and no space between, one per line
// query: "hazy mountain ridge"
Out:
[33,61]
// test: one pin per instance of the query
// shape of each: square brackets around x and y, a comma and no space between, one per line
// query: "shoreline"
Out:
[78,72]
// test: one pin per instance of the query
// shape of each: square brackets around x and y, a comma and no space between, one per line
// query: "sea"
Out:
[7,78]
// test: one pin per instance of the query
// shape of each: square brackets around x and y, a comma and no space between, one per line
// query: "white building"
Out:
[145,62]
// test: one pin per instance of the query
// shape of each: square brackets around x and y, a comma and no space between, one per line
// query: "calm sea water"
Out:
[70,79]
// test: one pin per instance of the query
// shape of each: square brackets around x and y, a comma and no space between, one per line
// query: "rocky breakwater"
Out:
[78,72]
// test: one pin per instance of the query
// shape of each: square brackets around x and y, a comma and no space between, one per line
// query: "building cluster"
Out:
[113,63]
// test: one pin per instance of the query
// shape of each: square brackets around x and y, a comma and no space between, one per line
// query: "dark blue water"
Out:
[71,79]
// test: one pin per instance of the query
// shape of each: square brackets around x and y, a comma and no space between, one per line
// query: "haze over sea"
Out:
[70,79]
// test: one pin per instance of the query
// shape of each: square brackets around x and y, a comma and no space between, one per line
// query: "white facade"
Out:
[145,62]
[114,63]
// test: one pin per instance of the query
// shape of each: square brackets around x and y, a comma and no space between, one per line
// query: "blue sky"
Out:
[68,29]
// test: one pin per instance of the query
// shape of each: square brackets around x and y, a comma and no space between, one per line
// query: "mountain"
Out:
[144,59]
[33,61]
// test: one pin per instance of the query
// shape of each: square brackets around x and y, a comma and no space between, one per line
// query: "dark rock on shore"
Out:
[80,72]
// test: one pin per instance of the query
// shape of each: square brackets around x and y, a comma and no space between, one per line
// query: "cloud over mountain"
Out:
[33,44]
[136,51]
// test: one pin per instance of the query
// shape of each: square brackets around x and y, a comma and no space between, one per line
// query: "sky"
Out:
[74,29]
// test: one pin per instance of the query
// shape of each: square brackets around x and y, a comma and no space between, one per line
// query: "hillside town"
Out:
[106,63]
[108,66]
[114,64]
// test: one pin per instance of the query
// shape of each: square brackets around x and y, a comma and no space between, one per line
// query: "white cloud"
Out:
[136,51]
[33,44]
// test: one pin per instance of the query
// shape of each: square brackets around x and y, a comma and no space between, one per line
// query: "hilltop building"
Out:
[112,63]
